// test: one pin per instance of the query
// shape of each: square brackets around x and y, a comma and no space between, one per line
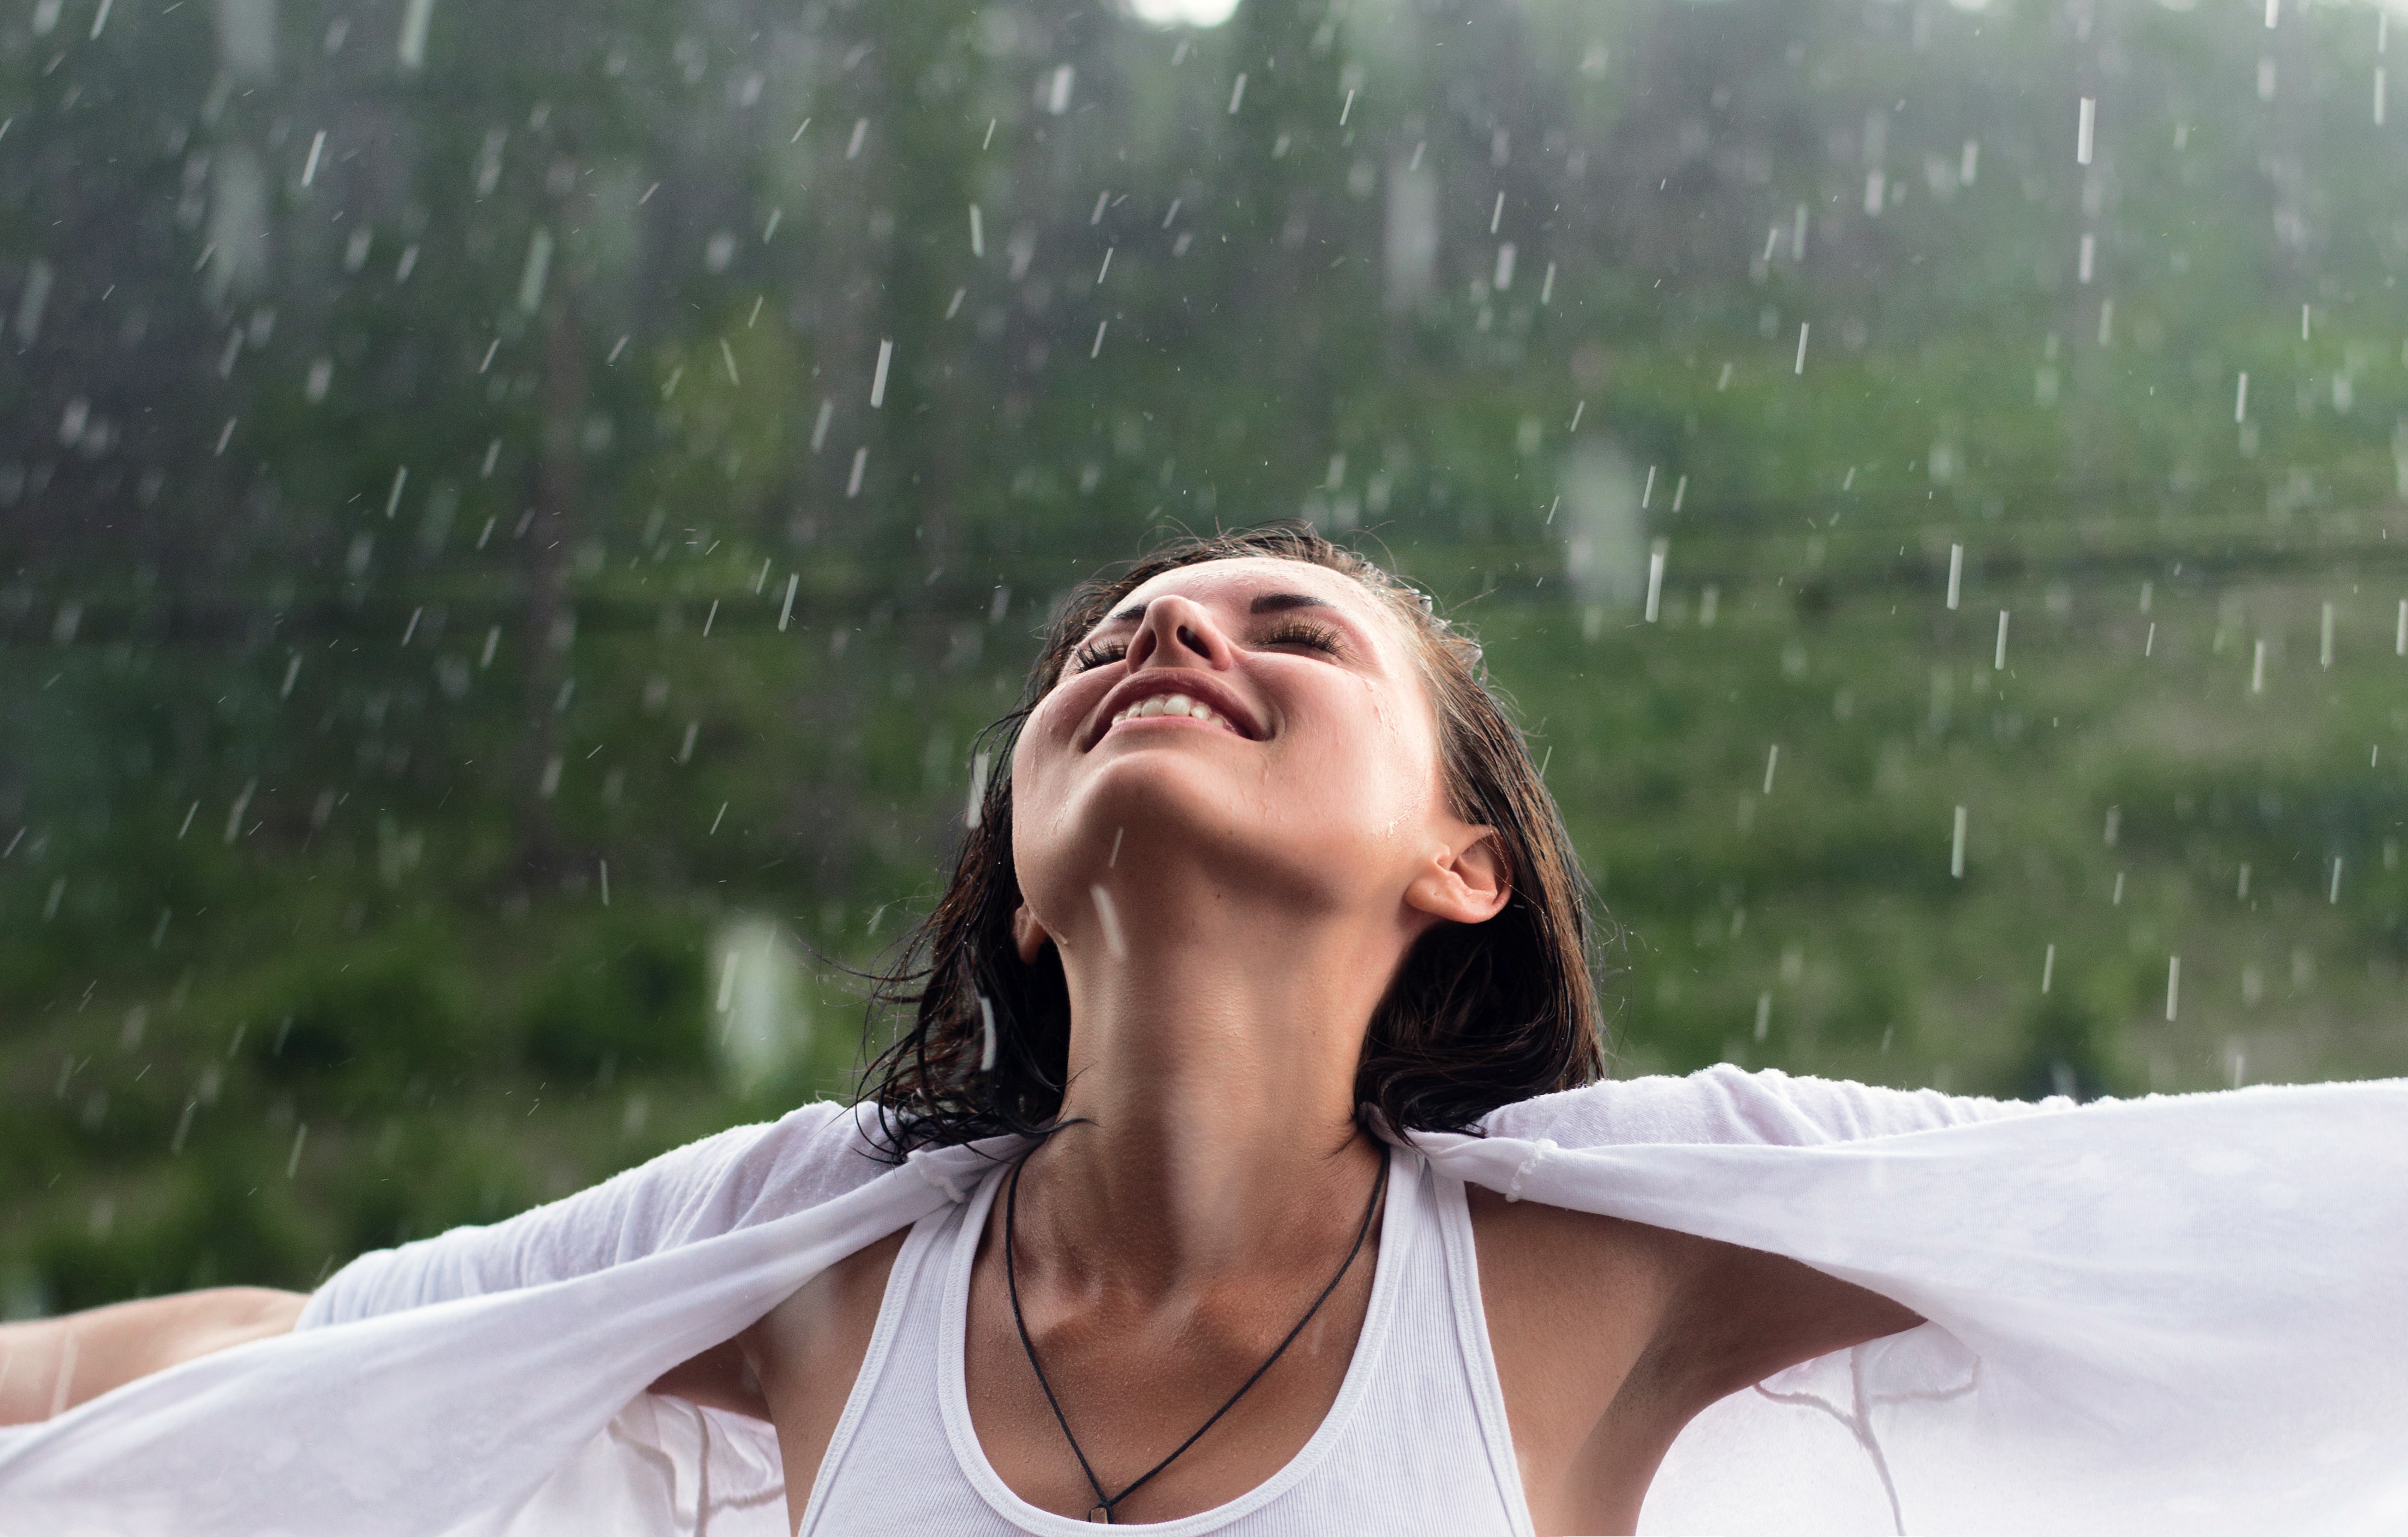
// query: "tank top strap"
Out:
[1452,1207]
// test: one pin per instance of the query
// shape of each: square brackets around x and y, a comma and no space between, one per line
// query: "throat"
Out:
[1141,1220]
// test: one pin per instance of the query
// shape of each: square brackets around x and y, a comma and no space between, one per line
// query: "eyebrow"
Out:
[1262,603]
[1282,602]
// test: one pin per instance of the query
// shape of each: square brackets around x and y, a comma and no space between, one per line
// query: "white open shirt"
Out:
[2176,1313]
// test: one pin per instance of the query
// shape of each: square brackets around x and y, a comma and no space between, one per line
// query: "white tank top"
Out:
[1417,1441]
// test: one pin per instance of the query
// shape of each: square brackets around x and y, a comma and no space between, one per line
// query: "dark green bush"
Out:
[221,1226]
[380,1012]
[626,997]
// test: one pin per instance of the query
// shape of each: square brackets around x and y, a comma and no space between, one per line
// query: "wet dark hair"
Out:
[1478,1015]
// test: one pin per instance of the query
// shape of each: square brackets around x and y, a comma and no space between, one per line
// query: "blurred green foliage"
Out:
[454,574]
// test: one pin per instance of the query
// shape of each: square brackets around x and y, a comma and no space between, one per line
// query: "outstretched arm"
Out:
[49,1365]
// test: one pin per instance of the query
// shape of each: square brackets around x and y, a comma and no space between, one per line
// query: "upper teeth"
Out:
[1168,704]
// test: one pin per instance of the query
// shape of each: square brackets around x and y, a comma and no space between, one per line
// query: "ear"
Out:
[1462,881]
[1029,935]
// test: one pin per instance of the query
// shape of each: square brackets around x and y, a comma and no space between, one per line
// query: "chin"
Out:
[1161,793]
[1149,813]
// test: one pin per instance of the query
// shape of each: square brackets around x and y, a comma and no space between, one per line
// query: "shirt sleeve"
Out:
[705,1188]
[1725,1105]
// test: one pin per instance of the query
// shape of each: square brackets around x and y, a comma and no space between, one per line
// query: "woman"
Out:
[1269,908]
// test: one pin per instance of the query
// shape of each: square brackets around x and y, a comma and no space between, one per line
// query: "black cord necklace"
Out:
[1102,1512]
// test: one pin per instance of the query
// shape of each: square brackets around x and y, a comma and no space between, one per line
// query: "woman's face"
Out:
[1311,774]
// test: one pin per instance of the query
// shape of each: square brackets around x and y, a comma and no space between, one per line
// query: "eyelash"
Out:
[1297,632]
[1095,653]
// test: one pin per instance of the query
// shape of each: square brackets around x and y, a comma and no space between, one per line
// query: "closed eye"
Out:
[1298,632]
[1095,653]
[1290,632]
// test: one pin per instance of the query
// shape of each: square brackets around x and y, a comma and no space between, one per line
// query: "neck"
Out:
[1212,1064]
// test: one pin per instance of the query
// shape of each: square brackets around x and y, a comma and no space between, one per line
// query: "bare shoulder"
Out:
[804,1356]
[1610,1335]
[828,1322]
[1574,1305]
[805,1349]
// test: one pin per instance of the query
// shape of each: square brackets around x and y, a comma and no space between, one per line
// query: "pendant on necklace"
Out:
[1100,1516]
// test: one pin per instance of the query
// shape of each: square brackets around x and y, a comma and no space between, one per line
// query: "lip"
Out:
[1152,682]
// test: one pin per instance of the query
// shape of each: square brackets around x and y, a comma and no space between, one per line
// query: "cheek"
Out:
[1044,768]
[1036,760]
[1377,777]
[1036,818]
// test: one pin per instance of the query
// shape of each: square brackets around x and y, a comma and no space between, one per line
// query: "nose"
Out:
[1179,632]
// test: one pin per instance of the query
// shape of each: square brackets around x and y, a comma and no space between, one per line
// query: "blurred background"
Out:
[513,518]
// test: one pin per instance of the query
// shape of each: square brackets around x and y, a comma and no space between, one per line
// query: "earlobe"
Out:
[1029,935]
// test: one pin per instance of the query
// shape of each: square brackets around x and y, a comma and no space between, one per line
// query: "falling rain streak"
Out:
[1108,919]
[876,379]
[389,455]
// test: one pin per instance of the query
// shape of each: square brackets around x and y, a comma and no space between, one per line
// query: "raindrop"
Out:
[411,53]
[1106,914]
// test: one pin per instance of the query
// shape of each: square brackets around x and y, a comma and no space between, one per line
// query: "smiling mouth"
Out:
[1175,704]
